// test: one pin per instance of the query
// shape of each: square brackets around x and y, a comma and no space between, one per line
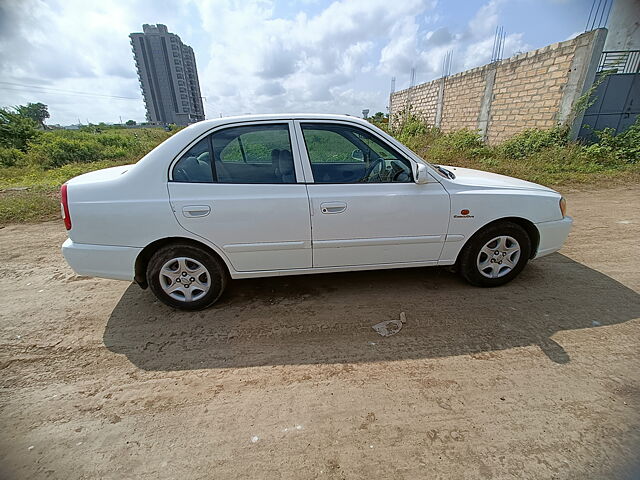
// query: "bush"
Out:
[457,147]
[462,140]
[55,151]
[126,142]
[62,147]
[531,141]
[623,147]
[10,157]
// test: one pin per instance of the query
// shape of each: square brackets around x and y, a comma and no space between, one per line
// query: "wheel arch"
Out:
[142,260]
[527,225]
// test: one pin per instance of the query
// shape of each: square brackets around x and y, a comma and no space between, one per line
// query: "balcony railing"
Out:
[620,61]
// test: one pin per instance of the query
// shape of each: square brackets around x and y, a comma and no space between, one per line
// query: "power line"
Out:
[53,90]
[598,18]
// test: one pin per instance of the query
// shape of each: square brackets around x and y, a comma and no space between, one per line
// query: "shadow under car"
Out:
[314,319]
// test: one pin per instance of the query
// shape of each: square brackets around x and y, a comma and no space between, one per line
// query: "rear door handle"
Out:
[333,207]
[193,211]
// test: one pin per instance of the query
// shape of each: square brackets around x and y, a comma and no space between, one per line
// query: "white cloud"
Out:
[337,59]
[313,57]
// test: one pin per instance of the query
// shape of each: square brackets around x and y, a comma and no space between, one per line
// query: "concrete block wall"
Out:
[462,99]
[425,95]
[537,89]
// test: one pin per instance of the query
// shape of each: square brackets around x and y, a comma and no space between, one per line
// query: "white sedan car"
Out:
[266,195]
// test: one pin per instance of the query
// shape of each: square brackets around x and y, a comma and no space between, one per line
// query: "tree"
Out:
[16,130]
[37,112]
[378,117]
[130,123]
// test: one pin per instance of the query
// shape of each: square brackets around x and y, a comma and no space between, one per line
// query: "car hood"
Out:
[478,178]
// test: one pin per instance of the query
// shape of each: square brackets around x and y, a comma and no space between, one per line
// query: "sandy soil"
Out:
[285,378]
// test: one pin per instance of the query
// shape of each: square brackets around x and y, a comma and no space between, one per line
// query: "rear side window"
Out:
[195,165]
[251,154]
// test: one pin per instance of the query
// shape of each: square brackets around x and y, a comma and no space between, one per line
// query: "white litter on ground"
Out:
[295,427]
[390,327]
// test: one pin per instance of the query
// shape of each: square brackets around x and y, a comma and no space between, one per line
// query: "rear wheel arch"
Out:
[142,261]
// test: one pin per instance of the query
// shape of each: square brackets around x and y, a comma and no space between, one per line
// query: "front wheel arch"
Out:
[527,225]
[142,261]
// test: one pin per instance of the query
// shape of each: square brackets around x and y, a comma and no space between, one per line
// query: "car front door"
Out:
[366,208]
[238,188]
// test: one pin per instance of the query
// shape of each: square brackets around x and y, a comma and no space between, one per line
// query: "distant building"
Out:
[168,76]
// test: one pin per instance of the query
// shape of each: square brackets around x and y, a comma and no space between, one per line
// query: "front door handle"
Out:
[194,211]
[333,207]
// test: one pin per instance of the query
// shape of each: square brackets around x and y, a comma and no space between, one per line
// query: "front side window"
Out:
[345,154]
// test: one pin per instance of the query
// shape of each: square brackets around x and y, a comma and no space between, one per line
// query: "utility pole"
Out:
[391,92]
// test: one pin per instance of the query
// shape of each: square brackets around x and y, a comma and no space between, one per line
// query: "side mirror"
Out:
[357,154]
[421,174]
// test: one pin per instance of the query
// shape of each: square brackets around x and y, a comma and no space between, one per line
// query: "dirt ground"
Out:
[285,378]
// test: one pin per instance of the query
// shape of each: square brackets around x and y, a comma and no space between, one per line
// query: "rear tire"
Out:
[186,276]
[495,255]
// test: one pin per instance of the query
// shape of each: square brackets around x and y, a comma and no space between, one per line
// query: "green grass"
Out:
[41,199]
[33,176]
[28,206]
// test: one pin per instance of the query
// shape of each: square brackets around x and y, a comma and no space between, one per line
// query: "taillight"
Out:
[563,206]
[64,204]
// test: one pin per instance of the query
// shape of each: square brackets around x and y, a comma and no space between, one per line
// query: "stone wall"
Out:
[537,89]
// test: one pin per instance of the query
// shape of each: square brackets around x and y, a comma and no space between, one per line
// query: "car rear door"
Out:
[365,207]
[241,187]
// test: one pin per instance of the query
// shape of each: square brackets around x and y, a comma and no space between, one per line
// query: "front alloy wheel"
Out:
[495,255]
[498,257]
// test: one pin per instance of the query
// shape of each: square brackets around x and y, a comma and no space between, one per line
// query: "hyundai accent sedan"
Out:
[266,195]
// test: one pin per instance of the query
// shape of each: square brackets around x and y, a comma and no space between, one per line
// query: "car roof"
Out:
[281,116]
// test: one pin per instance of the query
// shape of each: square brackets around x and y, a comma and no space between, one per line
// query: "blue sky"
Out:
[260,56]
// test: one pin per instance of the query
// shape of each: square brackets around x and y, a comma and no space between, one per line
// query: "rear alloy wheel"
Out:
[495,255]
[186,276]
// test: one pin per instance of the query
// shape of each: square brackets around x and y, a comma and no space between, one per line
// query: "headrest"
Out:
[275,156]
[285,164]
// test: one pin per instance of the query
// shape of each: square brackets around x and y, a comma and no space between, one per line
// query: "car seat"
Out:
[285,167]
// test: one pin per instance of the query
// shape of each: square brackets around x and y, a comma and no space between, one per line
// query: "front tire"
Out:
[186,276]
[495,255]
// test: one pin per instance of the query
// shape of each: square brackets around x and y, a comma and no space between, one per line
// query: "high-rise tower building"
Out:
[168,76]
